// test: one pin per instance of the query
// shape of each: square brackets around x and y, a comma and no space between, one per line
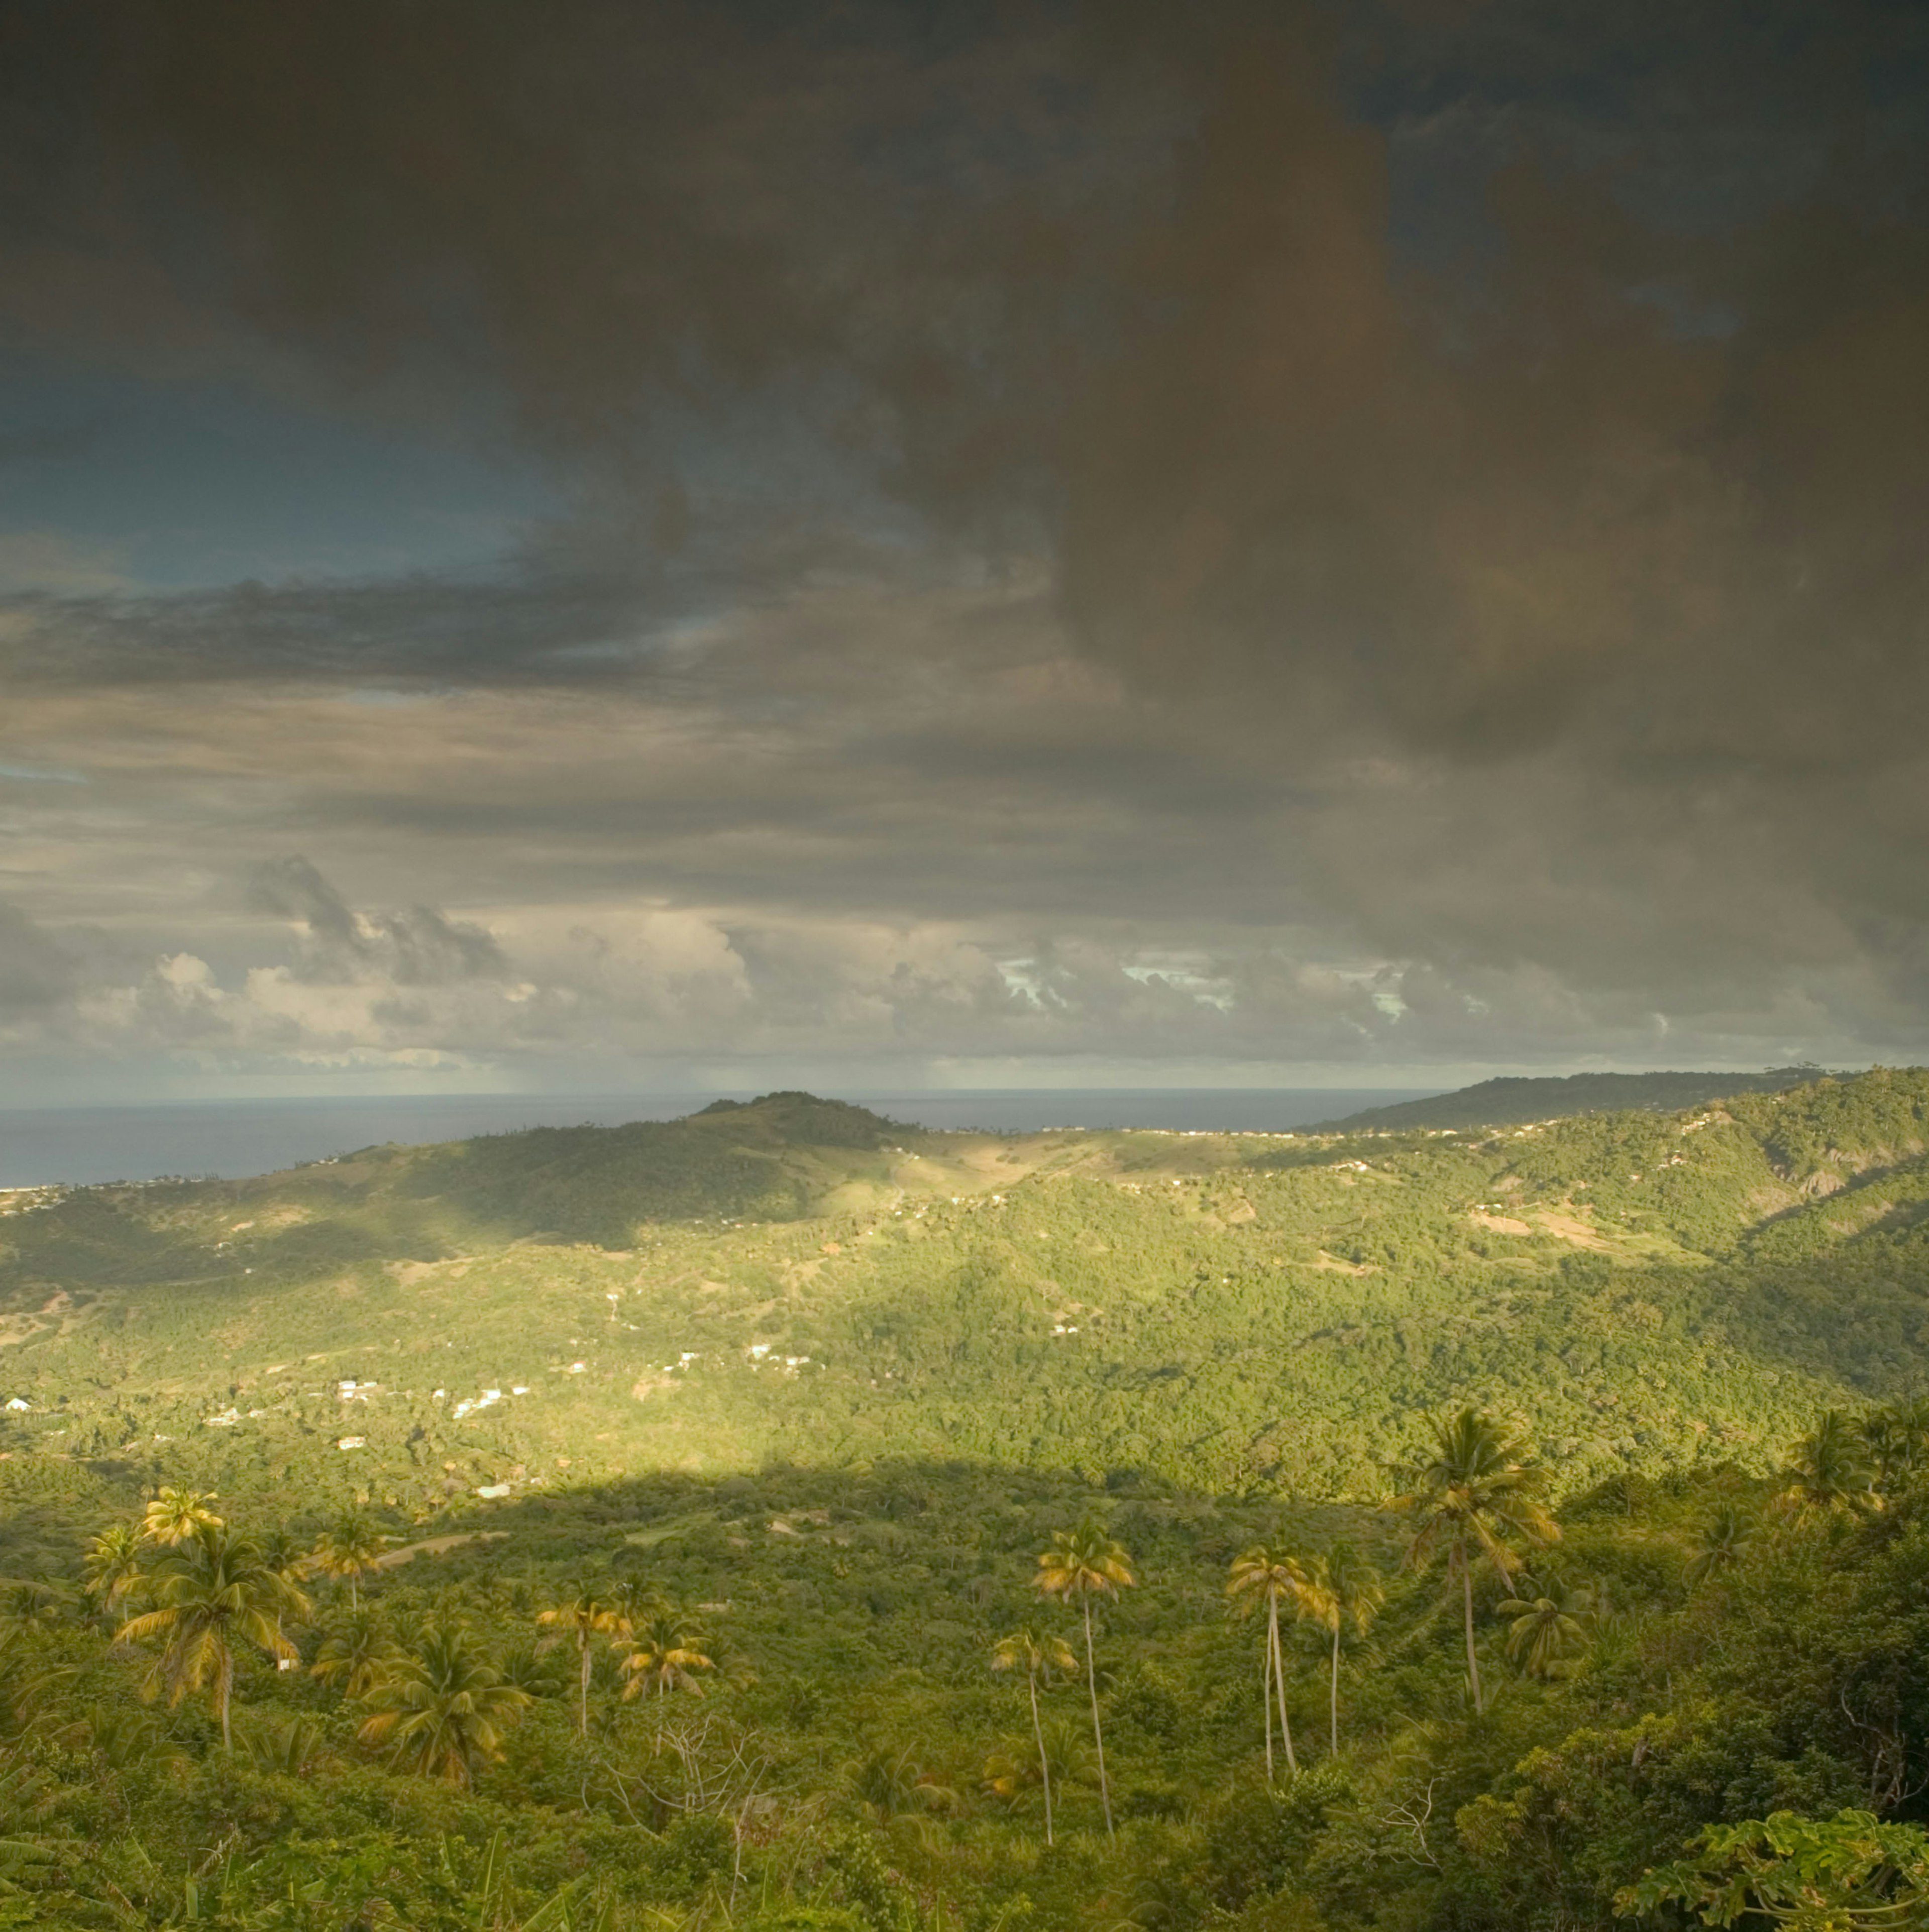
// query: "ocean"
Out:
[234,1139]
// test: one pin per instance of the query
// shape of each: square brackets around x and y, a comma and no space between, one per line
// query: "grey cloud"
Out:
[36,971]
[419,946]
[1397,539]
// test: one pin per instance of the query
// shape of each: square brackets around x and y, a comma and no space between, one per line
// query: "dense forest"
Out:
[783,1518]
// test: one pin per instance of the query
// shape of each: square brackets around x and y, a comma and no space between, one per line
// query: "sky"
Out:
[659,546]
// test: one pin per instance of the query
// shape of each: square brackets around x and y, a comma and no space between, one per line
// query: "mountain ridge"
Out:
[1514,1100]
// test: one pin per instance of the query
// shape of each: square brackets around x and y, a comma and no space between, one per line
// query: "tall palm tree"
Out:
[443,1709]
[1830,1471]
[112,1566]
[211,1590]
[1342,1592]
[175,1515]
[1038,1652]
[1553,1624]
[1082,1564]
[1272,1578]
[663,1657]
[580,1618]
[1478,1484]
[350,1546]
[1723,1540]
[356,1654]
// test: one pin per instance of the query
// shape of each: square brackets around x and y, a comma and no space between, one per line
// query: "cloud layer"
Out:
[1378,537]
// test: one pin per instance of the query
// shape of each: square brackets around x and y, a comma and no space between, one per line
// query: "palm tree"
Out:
[1831,1472]
[1082,1564]
[1477,1484]
[444,1708]
[892,1782]
[1343,1591]
[31,1602]
[528,1665]
[288,1744]
[175,1515]
[1064,1758]
[1723,1538]
[663,1657]
[1038,1652]
[1897,1437]
[356,1654]
[634,1603]
[282,1554]
[121,1739]
[1553,1623]
[584,1616]
[211,1590]
[1271,1578]
[351,1546]
[112,1566]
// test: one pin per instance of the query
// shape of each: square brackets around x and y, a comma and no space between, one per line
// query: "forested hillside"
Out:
[799,1281]
[776,1419]
[1513,1102]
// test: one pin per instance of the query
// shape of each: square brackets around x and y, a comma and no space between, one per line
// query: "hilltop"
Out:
[797,1280]
[1512,1103]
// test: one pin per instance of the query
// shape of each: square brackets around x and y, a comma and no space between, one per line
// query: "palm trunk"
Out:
[1335,1697]
[1098,1733]
[583,1694]
[224,1685]
[354,1596]
[1279,1685]
[1266,1694]
[1467,1606]
[1044,1763]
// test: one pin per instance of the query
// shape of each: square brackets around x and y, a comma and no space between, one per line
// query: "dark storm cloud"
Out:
[1560,507]
[1659,432]
[1413,513]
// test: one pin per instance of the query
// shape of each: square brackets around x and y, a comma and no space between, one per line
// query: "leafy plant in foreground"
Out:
[1840,1874]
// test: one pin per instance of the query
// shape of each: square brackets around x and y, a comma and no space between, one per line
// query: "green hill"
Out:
[809,1392]
[1513,1102]
[798,1280]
